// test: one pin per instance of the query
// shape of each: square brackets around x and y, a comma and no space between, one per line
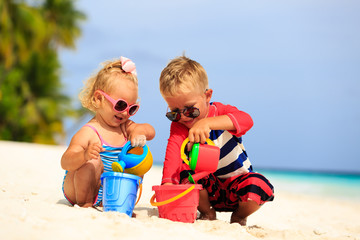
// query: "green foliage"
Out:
[32,106]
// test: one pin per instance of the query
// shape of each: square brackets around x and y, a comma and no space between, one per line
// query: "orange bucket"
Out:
[177,202]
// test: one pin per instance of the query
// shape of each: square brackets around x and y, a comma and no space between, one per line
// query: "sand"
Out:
[33,207]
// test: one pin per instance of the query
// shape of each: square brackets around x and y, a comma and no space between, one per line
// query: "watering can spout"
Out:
[119,166]
[196,177]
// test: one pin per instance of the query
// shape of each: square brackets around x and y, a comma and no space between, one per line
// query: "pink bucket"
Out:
[177,202]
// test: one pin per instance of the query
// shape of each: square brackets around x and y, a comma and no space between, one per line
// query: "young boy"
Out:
[234,186]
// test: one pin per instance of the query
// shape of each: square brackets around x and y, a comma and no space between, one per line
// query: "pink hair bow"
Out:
[128,65]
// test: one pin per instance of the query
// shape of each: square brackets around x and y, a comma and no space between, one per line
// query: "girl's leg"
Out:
[205,209]
[82,186]
[243,211]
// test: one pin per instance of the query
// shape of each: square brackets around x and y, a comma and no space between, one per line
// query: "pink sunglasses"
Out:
[120,105]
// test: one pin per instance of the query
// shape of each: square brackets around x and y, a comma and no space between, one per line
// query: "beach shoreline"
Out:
[33,207]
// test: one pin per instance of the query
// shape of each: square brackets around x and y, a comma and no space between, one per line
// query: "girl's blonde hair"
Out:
[104,80]
[183,75]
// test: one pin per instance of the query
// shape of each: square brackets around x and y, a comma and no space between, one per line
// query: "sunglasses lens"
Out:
[120,106]
[173,116]
[133,110]
[192,112]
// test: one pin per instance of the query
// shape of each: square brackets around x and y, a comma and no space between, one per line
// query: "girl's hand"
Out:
[199,132]
[138,134]
[138,140]
[93,151]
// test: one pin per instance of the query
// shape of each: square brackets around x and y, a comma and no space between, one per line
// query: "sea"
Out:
[334,185]
[344,186]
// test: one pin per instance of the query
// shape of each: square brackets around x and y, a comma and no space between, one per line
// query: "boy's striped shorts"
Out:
[225,194]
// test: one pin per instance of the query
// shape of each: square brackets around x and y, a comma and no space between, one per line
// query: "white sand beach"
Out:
[33,207]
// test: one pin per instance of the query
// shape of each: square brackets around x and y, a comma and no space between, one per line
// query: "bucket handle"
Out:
[153,203]
[140,185]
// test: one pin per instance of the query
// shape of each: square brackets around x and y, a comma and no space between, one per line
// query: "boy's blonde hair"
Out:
[104,80]
[183,75]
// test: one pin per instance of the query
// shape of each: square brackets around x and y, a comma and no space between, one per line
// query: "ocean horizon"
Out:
[342,185]
[328,184]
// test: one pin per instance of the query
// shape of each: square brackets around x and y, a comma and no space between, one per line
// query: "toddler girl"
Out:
[112,95]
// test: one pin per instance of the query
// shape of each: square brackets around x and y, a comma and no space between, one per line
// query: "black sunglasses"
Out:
[191,112]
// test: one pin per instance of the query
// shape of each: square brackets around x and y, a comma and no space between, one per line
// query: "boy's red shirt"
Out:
[178,133]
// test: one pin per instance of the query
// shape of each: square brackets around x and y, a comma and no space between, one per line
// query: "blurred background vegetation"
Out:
[32,105]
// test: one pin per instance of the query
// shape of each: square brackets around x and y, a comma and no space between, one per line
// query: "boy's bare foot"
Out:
[236,219]
[211,215]
[243,211]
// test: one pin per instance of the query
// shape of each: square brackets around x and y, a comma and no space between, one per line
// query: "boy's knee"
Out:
[204,194]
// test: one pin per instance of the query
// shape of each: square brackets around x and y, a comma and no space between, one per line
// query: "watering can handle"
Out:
[183,145]
[153,203]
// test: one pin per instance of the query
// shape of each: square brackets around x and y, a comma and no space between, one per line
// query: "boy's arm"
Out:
[242,121]
[200,131]
[173,161]
[226,117]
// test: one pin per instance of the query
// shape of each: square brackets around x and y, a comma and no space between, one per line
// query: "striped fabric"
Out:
[107,157]
[225,194]
[233,158]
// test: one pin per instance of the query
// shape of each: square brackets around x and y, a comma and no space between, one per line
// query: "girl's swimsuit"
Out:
[107,157]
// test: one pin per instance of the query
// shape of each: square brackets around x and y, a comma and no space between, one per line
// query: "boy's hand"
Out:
[168,183]
[199,132]
[93,151]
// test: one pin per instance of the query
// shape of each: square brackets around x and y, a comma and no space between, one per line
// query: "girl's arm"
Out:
[82,148]
[139,132]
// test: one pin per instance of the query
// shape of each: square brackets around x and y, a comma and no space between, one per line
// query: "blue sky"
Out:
[294,66]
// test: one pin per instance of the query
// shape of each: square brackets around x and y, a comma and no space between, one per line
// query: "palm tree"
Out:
[63,21]
[32,106]
[21,31]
